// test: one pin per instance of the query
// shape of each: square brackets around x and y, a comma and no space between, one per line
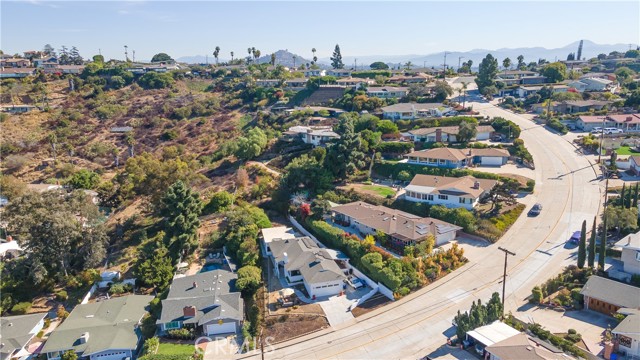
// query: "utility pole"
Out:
[444,70]
[134,56]
[601,139]
[504,275]
[126,53]
[355,64]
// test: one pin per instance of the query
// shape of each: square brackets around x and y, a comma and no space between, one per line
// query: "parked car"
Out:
[496,137]
[354,282]
[596,130]
[613,131]
[575,238]
[535,210]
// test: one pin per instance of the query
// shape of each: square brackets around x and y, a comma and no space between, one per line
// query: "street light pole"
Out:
[444,70]
[504,275]
[601,139]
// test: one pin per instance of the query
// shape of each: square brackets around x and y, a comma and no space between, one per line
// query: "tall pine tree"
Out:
[336,58]
[487,72]
[582,246]
[635,197]
[603,244]
[181,208]
[345,156]
[592,245]
[623,195]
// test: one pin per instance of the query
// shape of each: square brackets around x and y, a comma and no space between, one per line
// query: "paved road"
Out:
[419,323]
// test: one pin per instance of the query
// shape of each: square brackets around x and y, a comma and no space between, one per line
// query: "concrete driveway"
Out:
[336,308]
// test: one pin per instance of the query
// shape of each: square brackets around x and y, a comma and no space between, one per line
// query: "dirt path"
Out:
[264,166]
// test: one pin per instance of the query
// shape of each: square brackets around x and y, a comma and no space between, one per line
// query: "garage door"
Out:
[224,328]
[483,136]
[491,160]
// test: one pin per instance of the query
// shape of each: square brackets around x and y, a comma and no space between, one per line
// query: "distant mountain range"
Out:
[589,50]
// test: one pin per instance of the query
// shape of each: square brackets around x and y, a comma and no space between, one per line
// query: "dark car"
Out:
[535,210]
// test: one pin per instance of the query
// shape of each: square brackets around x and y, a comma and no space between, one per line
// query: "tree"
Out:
[315,58]
[387,127]
[487,72]
[181,207]
[84,179]
[624,74]
[466,132]
[555,72]
[344,157]
[494,308]
[74,56]
[633,100]
[379,65]
[632,54]
[219,202]
[249,279]
[571,57]
[408,65]
[336,58]
[582,246]
[161,57]
[98,59]
[506,63]
[404,175]
[591,256]
[69,355]
[60,233]
[48,50]
[603,245]
[231,53]
[216,53]
[442,90]
[537,295]
[521,64]
[273,59]
[252,145]
[154,268]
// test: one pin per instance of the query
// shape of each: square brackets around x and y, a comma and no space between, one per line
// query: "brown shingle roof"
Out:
[441,153]
[612,292]
[464,185]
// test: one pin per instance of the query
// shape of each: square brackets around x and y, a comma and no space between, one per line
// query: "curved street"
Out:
[570,191]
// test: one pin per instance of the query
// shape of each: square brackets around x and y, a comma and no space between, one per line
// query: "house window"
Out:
[443,197]
[430,197]
[638,255]
[172,325]
[461,200]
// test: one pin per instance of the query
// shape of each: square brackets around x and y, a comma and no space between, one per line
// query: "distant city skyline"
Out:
[361,28]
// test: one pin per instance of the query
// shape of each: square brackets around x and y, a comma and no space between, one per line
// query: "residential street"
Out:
[419,324]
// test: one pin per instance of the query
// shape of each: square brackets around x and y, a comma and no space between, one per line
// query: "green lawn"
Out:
[175,349]
[380,190]
[626,150]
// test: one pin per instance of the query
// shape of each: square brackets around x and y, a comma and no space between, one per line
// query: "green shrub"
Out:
[21,308]
[120,288]
[169,135]
[150,346]
[393,147]
[181,334]
[61,295]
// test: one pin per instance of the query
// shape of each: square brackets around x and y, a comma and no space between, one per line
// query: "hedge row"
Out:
[394,147]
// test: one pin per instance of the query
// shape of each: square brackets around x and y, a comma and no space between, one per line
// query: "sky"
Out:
[188,28]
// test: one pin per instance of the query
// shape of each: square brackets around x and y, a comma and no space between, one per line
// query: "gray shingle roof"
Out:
[214,297]
[16,332]
[110,325]
[315,264]
[612,292]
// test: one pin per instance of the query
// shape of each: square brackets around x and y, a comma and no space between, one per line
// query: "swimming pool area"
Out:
[211,267]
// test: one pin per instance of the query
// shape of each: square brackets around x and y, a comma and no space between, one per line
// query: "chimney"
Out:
[84,338]
[189,311]
[628,118]
[438,135]
[9,238]
[286,258]
[476,184]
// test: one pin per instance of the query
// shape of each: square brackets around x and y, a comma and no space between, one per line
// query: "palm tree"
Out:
[232,56]
[249,51]
[408,65]
[506,63]
[256,55]
[294,62]
[273,59]
[313,50]
[216,52]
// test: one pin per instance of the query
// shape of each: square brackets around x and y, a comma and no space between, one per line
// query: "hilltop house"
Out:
[411,111]
[630,246]
[355,83]
[447,134]
[402,228]
[387,92]
[339,73]
[409,78]
[207,301]
[301,261]
[451,158]
[15,63]
[626,336]
[296,84]
[16,73]
[571,106]
[591,84]
[526,90]
[448,191]
[17,333]
[105,330]
[314,135]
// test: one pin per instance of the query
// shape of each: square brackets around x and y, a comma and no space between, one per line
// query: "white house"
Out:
[268,235]
[626,122]
[268,83]
[448,191]
[458,158]
[314,72]
[630,246]
[627,334]
[524,91]
[402,228]
[491,334]
[387,92]
[302,261]
[356,83]
[447,133]
[339,73]
[591,84]
[296,84]
[314,135]
[411,111]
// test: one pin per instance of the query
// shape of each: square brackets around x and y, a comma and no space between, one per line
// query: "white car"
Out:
[609,131]
[354,282]
[596,130]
